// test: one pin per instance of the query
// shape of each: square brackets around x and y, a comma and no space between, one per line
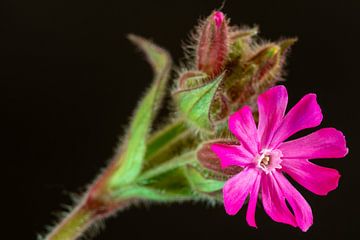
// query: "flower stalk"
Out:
[73,225]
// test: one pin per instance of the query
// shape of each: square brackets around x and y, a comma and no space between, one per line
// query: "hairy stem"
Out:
[74,224]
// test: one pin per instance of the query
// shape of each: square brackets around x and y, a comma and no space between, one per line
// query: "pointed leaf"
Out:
[129,160]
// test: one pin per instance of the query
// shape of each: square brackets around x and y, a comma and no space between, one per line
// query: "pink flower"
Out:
[264,157]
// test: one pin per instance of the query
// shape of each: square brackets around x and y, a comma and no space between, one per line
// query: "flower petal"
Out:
[237,188]
[274,201]
[242,125]
[305,114]
[324,143]
[299,205]
[254,194]
[232,155]
[317,179]
[272,105]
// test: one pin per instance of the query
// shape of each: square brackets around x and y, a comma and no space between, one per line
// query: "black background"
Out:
[70,79]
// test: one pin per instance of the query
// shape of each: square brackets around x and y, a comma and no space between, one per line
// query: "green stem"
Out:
[168,142]
[164,137]
[188,157]
[74,224]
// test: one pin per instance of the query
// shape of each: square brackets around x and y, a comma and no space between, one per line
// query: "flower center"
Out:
[269,160]
[265,161]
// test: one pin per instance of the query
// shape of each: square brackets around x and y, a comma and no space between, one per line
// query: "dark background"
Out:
[70,79]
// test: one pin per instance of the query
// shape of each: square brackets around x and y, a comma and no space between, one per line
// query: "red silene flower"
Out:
[265,157]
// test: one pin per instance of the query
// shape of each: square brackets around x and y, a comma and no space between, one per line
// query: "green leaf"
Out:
[195,103]
[129,161]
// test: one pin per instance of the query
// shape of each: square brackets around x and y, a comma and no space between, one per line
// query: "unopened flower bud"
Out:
[251,75]
[267,61]
[264,70]
[212,48]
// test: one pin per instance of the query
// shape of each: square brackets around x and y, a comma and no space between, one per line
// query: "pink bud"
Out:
[218,18]
[212,48]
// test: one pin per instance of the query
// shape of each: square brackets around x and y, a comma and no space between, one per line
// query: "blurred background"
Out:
[69,80]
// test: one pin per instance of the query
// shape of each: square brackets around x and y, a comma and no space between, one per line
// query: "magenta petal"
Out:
[305,114]
[324,143]
[254,194]
[272,105]
[274,201]
[237,188]
[232,155]
[317,179]
[299,205]
[243,126]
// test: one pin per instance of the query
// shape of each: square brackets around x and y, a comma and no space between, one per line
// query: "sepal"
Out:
[195,104]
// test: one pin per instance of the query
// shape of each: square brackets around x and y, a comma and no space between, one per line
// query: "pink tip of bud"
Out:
[218,18]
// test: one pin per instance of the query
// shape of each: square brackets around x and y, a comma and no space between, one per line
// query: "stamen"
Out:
[265,161]
[269,160]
